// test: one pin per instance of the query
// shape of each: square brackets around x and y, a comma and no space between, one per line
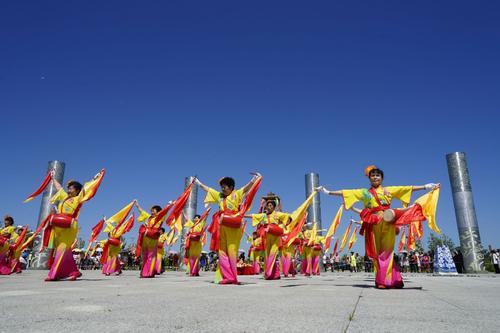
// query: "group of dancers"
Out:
[276,233]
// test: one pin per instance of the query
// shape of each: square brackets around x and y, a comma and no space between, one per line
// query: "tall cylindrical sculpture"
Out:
[468,229]
[314,210]
[189,212]
[40,260]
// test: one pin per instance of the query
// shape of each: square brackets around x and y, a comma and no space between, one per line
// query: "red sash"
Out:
[231,221]
[370,217]
[61,220]
[274,229]
[58,220]
[261,232]
[217,219]
[214,227]
[114,241]
[151,232]
[105,249]
[195,236]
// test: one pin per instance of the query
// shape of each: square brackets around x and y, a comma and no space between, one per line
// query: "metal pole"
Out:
[468,229]
[40,259]
[190,212]
[314,210]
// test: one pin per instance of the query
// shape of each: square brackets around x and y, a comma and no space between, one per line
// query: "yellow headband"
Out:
[368,169]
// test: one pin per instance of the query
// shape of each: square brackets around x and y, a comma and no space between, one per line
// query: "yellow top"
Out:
[257,242]
[319,240]
[67,205]
[198,227]
[195,226]
[385,195]
[307,234]
[233,200]
[162,238]
[10,231]
[275,217]
[144,217]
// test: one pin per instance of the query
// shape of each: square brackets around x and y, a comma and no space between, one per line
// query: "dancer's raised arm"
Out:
[203,186]
[430,186]
[324,190]
[252,181]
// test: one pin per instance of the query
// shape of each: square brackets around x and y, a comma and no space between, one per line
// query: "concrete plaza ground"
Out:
[333,302]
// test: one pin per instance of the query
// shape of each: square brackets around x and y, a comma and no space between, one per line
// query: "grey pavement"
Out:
[173,302]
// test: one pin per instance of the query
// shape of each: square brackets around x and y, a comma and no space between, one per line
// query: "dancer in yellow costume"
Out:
[113,245]
[62,228]
[161,251]
[193,244]
[274,222]
[226,227]
[315,247]
[149,234]
[380,222]
[256,250]
[8,236]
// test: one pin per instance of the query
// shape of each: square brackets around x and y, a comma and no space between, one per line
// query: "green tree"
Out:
[80,243]
[434,240]
[419,247]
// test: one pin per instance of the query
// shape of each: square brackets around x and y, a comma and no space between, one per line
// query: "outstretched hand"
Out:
[99,174]
[432,186]
[322,189]
[255,175]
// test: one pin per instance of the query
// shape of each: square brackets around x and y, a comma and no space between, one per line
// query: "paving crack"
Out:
[445,301]
[351,315]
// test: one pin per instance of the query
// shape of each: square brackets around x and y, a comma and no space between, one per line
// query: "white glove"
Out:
[323,189]
[430,186]
[256,176]
[197,182]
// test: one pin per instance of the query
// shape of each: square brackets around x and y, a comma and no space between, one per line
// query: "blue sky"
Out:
[156,91]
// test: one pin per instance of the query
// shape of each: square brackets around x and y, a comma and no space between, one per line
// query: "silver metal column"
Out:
[468,229]
[314,210]
[190,212]
[40,259]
